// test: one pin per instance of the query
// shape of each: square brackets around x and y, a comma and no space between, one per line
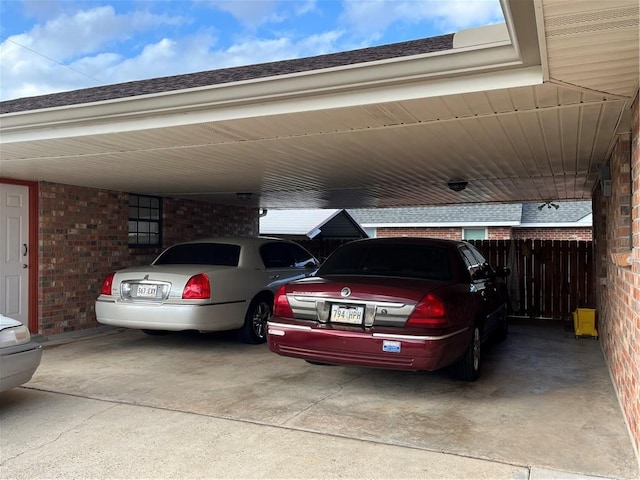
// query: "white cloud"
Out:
[32,63]
[166,57]
[252,13]
[370,18]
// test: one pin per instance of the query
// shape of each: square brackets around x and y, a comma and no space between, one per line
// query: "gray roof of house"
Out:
[466,213]
[227,75]
[516,214]
[311,223]
[567,212]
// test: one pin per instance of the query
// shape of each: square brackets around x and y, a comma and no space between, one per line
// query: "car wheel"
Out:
[468,367]
[254,329]
[156,332]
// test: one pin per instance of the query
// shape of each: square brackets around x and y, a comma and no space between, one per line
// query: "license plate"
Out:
[147,291]
[351,315]
[390,346]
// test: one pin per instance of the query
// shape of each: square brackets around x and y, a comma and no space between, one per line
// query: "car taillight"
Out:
[430,312]
[107,284]
[281,307]
[197,288]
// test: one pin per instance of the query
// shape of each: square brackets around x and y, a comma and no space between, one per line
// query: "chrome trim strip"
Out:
[418,337]
[390,336]
[341,300]
[290,327]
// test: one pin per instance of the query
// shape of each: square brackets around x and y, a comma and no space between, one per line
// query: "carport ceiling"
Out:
[522,112]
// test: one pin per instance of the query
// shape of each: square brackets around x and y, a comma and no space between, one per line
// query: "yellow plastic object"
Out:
[584,323]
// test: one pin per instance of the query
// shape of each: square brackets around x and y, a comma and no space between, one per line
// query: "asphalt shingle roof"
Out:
[467,213]
[527,213]
[566,212]
[227,75]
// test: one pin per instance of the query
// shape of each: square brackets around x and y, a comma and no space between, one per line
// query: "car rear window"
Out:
[200,254]
[389,260]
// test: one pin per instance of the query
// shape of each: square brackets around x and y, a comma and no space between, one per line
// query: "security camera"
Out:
[457,185]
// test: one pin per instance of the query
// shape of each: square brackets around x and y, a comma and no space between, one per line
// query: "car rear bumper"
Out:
[18,364]
[173,317]
[378,350]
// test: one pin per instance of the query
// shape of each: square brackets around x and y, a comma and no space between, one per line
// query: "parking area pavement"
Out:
[122,404]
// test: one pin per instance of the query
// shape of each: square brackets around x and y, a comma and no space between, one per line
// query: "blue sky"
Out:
[49,46]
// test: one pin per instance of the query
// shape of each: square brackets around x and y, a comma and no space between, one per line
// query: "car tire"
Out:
[254,330]
[156,332]
[468,367]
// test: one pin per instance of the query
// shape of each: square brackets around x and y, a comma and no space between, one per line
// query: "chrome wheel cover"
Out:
[261,314]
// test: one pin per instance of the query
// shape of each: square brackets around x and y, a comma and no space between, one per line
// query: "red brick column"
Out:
[617,253]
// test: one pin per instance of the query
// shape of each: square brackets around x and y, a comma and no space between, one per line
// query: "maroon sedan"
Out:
[399,303]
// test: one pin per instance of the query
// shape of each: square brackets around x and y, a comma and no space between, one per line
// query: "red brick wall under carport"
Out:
[83,235]
[617,241]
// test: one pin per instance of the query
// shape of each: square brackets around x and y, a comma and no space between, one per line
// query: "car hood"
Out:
[367,288]
[6,322]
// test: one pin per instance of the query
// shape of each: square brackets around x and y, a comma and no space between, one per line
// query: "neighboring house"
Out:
[309,224]
[554,221]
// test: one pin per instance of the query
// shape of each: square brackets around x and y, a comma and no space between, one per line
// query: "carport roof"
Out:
[524,111]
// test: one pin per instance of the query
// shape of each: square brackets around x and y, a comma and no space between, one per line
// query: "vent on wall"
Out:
[605,180]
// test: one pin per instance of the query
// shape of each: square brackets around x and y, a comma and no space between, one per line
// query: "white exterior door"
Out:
[14,251]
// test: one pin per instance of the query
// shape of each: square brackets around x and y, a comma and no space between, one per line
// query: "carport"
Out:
[542,108]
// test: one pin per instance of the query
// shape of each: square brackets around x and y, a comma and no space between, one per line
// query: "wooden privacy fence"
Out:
[549,279]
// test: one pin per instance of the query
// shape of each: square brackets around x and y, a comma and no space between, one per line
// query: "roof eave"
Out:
[469,68]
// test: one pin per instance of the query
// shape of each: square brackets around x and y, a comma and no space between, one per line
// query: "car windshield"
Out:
[389,260]
[200,254]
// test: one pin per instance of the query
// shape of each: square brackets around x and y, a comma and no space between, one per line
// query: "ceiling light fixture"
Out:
[548,204]
[457,185]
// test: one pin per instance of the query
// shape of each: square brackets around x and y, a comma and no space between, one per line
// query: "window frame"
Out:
[154,207]
[484,229]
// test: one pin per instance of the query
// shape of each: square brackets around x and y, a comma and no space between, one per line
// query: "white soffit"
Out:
[593,44]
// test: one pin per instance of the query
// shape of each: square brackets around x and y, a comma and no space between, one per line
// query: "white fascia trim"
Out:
[557,225]
[404,78]
[441,225]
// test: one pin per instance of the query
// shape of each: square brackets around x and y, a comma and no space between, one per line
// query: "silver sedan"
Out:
[206,285]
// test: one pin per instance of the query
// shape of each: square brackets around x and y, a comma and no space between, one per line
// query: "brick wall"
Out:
[569,233]
[493,233]
[454,233]
[617,231]
[83,236]
[499,233]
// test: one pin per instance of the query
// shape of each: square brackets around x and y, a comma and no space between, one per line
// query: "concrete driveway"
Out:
[124,404]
